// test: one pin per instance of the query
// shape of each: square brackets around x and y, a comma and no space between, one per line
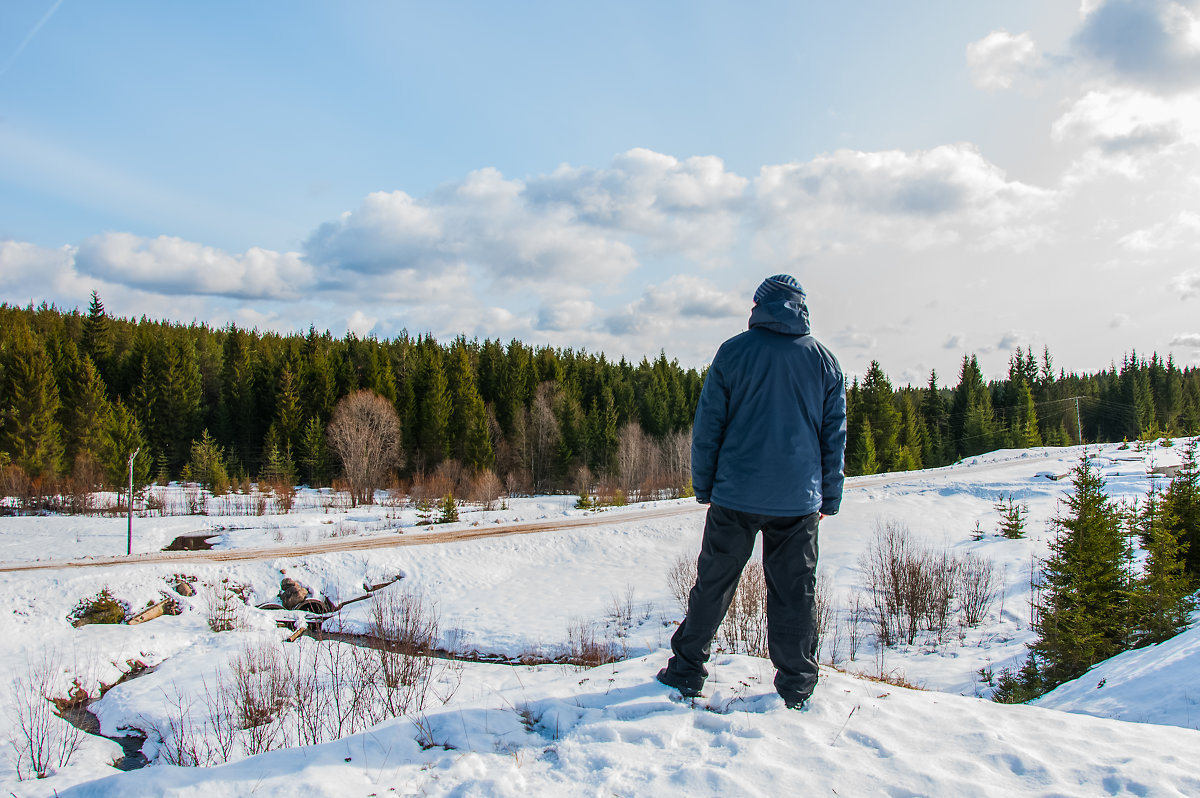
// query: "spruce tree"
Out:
[31,434]
[937,425]
[314,453]
[177,413]
[277,465]
[207,464]
[433,442]
[603,431]
[972,418]
[238,414]
[1027,421]
[1083,613]
[1162,601]
[89,424]
[318,387]
[96,338]
[471,441]
[380,377]
[64,359]
[979,427]
[877,405]
[1181,505]
[289,422]
[865,460]
[912,436]
[122,438]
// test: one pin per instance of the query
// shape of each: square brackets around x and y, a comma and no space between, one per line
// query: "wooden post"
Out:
[129,546]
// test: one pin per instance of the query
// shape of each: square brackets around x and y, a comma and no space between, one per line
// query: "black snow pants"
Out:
[790,566]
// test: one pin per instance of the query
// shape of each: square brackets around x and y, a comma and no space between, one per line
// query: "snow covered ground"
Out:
[557,729]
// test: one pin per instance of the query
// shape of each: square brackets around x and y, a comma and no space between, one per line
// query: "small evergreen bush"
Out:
[103,607]
[448,510]
[1012,517]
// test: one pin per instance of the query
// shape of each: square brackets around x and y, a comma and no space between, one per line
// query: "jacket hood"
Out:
[784,315]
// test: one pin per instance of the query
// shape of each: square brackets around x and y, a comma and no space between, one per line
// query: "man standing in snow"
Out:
[768,450]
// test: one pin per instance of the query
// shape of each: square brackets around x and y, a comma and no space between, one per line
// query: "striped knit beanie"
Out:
[779,286]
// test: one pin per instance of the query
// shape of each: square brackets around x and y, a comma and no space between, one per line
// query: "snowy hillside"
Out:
[1156,684]
[496,729]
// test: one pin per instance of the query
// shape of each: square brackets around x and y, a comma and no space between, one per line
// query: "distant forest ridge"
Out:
[84,390]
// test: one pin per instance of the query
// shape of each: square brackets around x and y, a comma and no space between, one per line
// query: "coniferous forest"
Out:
[82,390]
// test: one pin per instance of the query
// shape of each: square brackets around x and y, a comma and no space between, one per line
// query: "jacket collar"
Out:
[787,316]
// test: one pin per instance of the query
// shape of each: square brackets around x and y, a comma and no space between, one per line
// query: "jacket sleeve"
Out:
[833,441]
[708,430]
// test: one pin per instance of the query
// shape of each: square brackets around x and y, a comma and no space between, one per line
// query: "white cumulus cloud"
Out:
[1180,231]
[1000,58]
[1186,339]
[172,265]
[485,223]
[688,206]
[1187,284]
[913,199]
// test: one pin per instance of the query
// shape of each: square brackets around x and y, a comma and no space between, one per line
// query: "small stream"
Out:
[77,713]
[84,719]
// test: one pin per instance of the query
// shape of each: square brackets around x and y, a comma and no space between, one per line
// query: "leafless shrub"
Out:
[260,502]
[87,477]
[245,712]
[16,488]
[193,498]
[310,696]
[285,496]
[606,492]
[912,588]
[349,673]
[452,477]
[856,615]
[221,712]
[938,590]
[223,603]
[621,610]
[259,686]
[826,618]
[181,738]
[977,588]
[518,483]
[40,739]
[586,648]
[680,579]
[895,678]
[744,630]
[485,489]
[446,479]
[407,628]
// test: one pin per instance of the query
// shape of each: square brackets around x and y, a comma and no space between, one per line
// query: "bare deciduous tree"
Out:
[544,434]
[634,455]
[365,435]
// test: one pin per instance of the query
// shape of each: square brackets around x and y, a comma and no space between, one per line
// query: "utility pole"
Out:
[1078,423]
[129,548]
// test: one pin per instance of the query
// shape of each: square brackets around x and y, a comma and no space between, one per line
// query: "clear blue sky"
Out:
[530,170]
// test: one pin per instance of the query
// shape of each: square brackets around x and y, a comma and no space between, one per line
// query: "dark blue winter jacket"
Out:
[770,429]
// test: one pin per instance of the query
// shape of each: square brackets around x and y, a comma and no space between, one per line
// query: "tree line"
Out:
[84,390]
[903,429]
